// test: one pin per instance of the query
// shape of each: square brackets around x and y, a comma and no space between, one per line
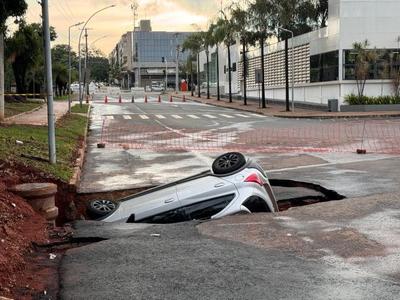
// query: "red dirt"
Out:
[19,227]
[27,272]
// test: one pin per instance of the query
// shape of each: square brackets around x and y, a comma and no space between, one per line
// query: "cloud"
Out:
[168,15]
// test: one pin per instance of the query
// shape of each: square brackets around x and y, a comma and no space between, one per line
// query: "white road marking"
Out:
[243,116]
[127,117]
[210,116]
[193,116]
[257,115]
[110,117]
[160,116]
[144,117]
[226,116]
[176,117]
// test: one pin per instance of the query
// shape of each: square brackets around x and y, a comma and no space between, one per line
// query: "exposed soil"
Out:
[28,272]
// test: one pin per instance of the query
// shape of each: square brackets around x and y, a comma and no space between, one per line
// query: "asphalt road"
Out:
[346,249]
[152,143]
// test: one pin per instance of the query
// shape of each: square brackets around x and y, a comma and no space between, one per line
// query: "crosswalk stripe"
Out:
[226,116]
[144,117]
[127,117]
[257,115]
[160,116]
[110,117]
[210,116]
[193,116]
[176,117]
[243,116]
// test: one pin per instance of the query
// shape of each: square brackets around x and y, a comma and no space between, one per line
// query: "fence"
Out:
[375,136]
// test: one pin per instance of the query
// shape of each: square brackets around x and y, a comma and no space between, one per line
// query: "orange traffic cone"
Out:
[145,98]
[159,98]
[106,99]
[120,99]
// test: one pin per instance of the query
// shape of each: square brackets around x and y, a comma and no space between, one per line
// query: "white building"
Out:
[324,63]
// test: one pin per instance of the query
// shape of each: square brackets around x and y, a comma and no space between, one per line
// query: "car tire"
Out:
[228,163]
[100,208]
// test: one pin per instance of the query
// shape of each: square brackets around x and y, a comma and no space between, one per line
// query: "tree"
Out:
[225,33]
[240,23]
[193,44]
[215,39]
[99,68]
[25,51]
[363,59]
[262,13]
[8,8]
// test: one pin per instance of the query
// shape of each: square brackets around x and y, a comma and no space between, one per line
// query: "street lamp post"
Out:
[79,49]
[69,64]
[291,32]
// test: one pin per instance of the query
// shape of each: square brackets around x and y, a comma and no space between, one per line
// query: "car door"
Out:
[143,207]
[203,197]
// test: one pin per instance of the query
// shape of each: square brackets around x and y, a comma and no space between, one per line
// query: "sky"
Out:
[108,26]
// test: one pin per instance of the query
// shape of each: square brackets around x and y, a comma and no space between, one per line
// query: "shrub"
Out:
[353,99]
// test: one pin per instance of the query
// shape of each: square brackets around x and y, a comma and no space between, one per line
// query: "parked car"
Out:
[235,184]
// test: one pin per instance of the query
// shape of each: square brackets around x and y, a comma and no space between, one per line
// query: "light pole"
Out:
[49,83]
[69,64]
[177,64]
[291,32]
[79,49]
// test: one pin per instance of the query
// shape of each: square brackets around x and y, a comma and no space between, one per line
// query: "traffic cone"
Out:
[159,98]
[145,98]
[106,99]
[120,99]
[133,99]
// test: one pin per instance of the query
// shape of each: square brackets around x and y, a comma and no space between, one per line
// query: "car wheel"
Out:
[100,208]
[228,163]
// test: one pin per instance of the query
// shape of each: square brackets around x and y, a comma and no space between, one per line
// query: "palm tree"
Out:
[206,40]
[225,32]
[240,22]
[261,20]
[193,44]
[215,40]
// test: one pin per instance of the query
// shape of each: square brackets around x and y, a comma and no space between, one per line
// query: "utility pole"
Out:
[134,8]
[177,64]
[85,78]
[49,83]
[69,65]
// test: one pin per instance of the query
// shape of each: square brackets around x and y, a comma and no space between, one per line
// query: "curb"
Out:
[23,113]
[76,177]
[277,115]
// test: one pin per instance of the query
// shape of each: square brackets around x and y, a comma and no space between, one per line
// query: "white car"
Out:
[233,185]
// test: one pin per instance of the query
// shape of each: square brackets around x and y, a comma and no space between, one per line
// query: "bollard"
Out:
[170,98]
[145,98]
[183,98]
[159,98]
[106,99]
[41,197]
[133,98]
[87,99]
[120,99]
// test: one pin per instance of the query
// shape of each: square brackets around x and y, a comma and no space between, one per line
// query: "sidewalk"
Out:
[39,117]
[276,110]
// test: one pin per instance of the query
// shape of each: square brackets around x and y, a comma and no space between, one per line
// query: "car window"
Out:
[172,216]
[206,209]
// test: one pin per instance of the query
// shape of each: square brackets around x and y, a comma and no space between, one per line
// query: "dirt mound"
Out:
[19,227]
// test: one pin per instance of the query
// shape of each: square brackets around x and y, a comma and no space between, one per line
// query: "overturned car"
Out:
[235,184]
